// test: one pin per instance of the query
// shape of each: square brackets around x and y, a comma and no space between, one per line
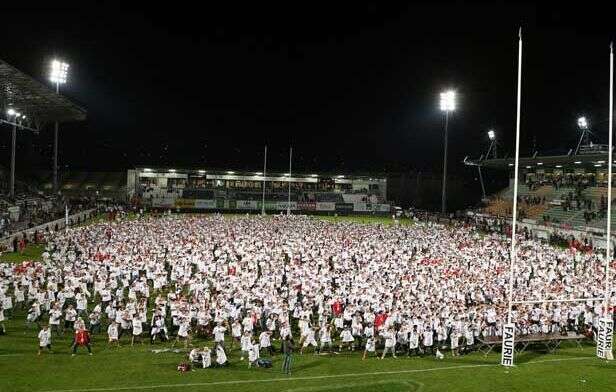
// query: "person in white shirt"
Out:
[346,339]
[206,357]
[219,334]
[236,332]
[370,348]
[137,331]
[70,316]
[183,333]
[390,343]
[265,341]
[245,343]
[158,329]
[2,327]
[253,355]
[44,337]
[454,338]
[309,340]
[414,341]
[428,340]
[113,333]
[221,355]
[325,338]
[55,314]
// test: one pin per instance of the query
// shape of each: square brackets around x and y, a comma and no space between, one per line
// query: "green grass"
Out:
[31,252]
[137,368]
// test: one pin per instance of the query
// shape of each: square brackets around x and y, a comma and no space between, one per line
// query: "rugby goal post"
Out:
[605,326]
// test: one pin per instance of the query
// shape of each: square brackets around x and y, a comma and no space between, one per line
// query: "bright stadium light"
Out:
[11,112]
[582,123]
[448,101]
[259,173]
[491,134]
[58,72]
[230,172]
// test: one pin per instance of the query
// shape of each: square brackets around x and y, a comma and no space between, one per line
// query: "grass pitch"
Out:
[139,369]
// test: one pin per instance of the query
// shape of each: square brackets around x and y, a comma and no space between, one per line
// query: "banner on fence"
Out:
[325,206]
[344,207]
[205,204]
[185,203]
[247,205]
[306,206]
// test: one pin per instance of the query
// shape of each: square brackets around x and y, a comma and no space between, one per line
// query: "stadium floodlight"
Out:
[11,112]
[491,134]
[577,162]
[230,172]
[448,101]
[58,72]
[559,166]
[539,163]
[448,104]
[582,123]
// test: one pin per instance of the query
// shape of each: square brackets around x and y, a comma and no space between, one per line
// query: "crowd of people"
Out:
[286,283]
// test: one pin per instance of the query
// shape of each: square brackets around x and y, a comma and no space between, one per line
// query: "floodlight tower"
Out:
[583,126]
[12,113]
[13,116]
[448,104]
[58,72]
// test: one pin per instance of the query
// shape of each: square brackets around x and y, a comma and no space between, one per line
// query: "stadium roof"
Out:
[587,161]
[247,173]
[32,98]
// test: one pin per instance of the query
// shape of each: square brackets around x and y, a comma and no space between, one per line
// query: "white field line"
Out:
[307,378]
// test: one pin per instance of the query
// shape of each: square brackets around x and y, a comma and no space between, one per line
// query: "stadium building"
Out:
[196,190]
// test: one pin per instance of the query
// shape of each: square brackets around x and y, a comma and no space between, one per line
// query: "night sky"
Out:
[353,88]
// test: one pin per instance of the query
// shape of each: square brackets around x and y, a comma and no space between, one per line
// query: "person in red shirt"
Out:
[82,338]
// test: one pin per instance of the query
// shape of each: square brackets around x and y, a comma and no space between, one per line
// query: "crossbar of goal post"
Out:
[508,346]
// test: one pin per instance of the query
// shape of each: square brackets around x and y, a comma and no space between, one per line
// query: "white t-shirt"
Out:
[44,337]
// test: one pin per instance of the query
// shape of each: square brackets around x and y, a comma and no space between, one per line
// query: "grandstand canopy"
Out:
[581,161]
[257,175]
[38,102]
